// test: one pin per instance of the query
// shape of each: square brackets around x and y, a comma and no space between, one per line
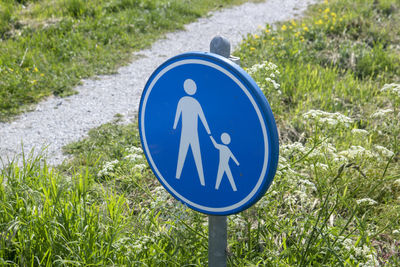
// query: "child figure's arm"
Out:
[215,143]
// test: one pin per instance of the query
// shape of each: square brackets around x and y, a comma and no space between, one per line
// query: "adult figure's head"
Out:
[190,86]
[225,138]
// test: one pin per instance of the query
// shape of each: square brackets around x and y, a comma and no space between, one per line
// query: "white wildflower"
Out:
[134,153]
[282,160]
[265,200]
[289,172]
[359,132]
[332,220]
[308,183]
[274,83]
[253,69]
[397,182]
[384,151]
[114,162]
[304,187]
[265,66]
[346,242]
[139,167]
[263,203]
[393,88]
[321,166]
[367,201]
[325,149]
[272,66]
[293,147]
[359,252]
[133,157]
[356,151]
[160,193]
[273,193]
[290,200]
[381,113]
[237,221]
[302,196]
[365,252]
[331,119]
[372,261]
[339,159]
[108,168]
[283,167]
[396,232]
[259,66]
[134,150]
[161,197]
[141,244]
[329,148]
[270,71]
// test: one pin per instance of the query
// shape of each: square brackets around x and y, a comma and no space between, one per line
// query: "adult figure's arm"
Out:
[203,119]
[234,159]
[178,113]
[213,141]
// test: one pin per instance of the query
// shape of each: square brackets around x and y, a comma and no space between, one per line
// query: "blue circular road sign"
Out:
[208,133]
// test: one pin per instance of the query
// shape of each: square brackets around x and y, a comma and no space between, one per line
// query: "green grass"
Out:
[335,200]
[47,47]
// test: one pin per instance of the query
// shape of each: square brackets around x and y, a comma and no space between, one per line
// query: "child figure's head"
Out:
[225,138]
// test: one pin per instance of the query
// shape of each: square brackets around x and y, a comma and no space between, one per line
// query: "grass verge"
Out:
[47,47]
[335,199]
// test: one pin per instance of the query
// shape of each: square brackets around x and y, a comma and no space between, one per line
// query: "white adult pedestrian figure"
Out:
[225,154]
[190,110]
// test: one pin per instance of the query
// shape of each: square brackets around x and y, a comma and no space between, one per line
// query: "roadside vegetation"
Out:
[47,46]
[333,82]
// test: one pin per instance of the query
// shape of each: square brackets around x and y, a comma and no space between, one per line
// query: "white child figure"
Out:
[225,155]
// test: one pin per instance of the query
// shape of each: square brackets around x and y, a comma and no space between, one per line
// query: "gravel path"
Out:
[58,121]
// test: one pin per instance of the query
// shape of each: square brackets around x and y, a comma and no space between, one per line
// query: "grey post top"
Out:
[221,46]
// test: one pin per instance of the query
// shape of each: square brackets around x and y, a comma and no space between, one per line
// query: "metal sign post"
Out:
[217,225]
[217,240]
